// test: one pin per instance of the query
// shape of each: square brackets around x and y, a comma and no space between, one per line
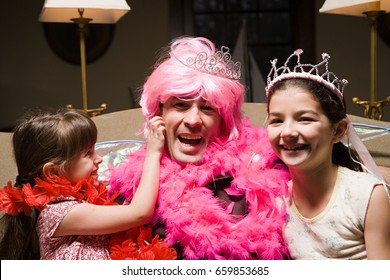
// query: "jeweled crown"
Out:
[219,64]
[306,71]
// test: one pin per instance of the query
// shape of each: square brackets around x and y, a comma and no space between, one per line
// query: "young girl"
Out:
[335,210]
[57,199]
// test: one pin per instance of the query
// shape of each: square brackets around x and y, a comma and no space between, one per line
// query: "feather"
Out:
[198,220]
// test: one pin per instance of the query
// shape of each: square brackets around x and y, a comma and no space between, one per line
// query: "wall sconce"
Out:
[82,13]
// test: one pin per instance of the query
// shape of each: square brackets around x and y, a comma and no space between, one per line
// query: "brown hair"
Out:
[39,138]
[51,137]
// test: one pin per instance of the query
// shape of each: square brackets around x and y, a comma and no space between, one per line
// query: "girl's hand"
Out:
[156,137]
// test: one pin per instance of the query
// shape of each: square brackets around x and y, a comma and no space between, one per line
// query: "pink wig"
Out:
[172,78]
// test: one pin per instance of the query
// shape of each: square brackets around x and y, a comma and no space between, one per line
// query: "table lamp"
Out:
[372,9]
[83,12]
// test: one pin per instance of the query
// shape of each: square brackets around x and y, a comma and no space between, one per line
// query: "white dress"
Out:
[338,231]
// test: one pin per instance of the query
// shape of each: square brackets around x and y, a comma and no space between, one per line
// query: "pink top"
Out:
[71,247]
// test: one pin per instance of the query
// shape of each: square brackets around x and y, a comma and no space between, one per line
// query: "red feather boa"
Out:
[133,244]
[14,201]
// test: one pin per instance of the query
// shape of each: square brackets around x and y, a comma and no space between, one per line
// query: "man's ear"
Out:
[340,129]
[50,169]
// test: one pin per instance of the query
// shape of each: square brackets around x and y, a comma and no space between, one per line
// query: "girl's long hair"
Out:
[39,138]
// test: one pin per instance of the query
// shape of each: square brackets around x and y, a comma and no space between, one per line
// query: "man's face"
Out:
[190,126]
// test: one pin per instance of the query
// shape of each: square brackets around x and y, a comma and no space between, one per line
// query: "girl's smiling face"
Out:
[299,131]
[85,166]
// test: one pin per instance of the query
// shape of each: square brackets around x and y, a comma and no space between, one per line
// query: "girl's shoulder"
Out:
[361,178]
[52,215]
[355,191]
[356,187]
[60,206]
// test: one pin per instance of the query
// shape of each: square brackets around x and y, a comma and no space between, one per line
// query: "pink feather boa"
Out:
[195,218]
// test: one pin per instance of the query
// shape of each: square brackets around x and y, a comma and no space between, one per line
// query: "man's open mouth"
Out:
[190,139]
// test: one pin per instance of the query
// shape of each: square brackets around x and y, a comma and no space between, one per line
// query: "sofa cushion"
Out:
[127,125]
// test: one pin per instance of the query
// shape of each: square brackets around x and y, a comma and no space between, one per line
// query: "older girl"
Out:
[335,210]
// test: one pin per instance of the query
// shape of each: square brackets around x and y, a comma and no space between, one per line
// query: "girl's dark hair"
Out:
[40,138]
[333,108]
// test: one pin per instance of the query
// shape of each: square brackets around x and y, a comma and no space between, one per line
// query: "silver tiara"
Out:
[306,71]
[219,64]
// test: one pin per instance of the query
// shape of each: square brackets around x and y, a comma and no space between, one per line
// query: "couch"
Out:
[126,124]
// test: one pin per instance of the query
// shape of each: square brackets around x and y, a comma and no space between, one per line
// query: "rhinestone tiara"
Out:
[218,64]
[306,71]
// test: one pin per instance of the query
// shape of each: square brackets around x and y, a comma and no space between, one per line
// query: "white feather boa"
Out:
[196,219]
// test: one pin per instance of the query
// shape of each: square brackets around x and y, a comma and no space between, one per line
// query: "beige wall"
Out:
[31,75]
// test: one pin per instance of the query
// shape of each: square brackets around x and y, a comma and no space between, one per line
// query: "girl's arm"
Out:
[377,225]
[90,219]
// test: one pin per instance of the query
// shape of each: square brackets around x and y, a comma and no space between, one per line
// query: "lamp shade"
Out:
[100,11]
[354,7]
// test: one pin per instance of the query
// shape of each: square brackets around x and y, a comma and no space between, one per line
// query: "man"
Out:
[221,187]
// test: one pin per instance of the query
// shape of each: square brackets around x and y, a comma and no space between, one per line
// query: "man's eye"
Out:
[208,108]
[180,105]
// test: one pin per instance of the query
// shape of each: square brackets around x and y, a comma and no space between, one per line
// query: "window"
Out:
[274,28]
